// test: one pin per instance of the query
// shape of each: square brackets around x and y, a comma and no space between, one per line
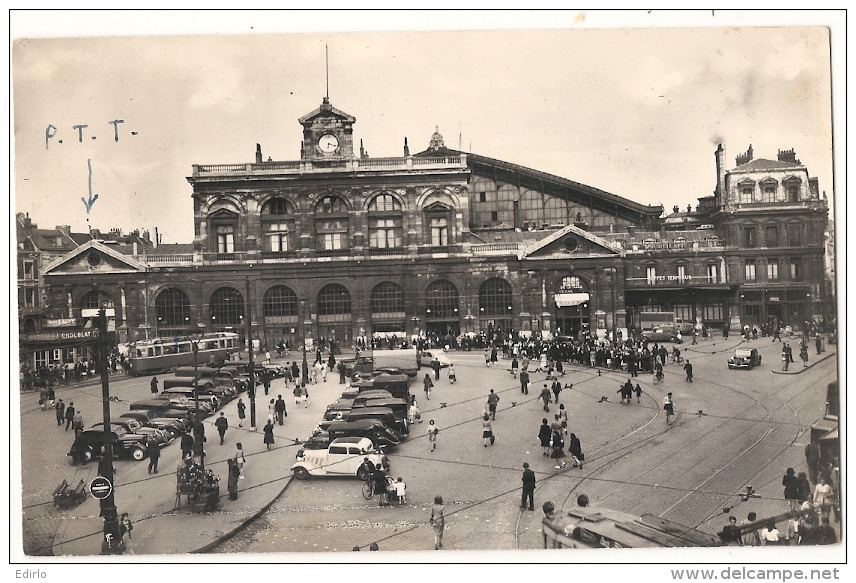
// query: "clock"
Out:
[328,143]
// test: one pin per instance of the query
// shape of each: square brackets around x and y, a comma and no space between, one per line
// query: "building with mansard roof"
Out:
[338,245]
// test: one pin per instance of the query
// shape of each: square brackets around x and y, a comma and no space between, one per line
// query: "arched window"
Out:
[495,298]
[226,307]
[94,299]
[386,298]
[277,207]
[278,226]
[384,203]
[556,211]
[279,301]
[441,300]
[331,224]
[330,205]
[334,299]
[385,222]
[532,208]
[172,308]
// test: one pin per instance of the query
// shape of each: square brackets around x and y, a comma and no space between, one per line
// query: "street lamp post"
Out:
[198,429]
[111,542]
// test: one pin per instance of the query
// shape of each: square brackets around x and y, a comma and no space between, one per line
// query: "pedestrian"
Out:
[52,396]
[544,436]
[279,410]
[43,398]
[803,487]
[514,365]
[271,411]
[222,424]
[428,383]
[492,402]
[435,365]
[242,412]
[268,429]
[487,431]
[626,391]
[432,434]
[266,381]
[494,359]
[730,534]
[267,357]
[486,357]
[695,336]
[342,371]
[438,521]
[77,423]
[557,446]
[563,418]
[751,536]
[239,459]
[400,491]
[804,353]
[524,382]
[790,352]
[453,377]
[769,534]
[791,484]
[413,414]
[380,481]
[295,371]
[638,393]
[792,531]
[153,450]
[576,450]
[234,475]
[528,488]
[822,498]
[154,385]
[557,388]
[186,445]
[812,458]
[60,412]
[669,407]
[125,528]
[688,368]
[545,396]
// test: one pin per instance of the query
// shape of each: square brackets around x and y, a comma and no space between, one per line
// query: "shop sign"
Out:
[61,336]
[775,299]
[60,322]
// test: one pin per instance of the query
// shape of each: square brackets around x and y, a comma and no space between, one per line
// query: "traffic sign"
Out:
[100,487]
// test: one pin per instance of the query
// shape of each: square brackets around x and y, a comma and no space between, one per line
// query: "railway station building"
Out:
[340,245]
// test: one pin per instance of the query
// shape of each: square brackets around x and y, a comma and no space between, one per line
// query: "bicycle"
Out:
[658,377]
[368,489]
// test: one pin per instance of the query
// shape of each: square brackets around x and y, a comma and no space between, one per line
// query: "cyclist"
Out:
[658,372]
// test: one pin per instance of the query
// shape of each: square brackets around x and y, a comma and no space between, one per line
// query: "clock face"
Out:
[328,143]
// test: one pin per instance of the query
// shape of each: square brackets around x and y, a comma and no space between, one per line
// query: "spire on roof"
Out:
[436,140]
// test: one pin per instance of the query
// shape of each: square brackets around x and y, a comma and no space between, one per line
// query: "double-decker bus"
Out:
[160,354]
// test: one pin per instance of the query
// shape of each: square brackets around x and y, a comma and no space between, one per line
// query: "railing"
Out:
[673,246]
[334,165]
[224,256]
[279,254]
[333,252]
[380,252]
[174,258]
[495,248]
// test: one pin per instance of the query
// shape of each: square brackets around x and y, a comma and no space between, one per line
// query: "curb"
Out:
[805,368]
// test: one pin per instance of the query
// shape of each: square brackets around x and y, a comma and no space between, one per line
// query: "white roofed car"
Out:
[745,358]
[429,355]
[343,457]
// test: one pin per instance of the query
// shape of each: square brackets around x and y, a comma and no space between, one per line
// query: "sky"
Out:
[621,101]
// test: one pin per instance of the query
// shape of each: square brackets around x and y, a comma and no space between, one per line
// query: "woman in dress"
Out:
[125,528]
[789,481]
[268,429]
[427,383]
[487,430]
[438,521]
[544,436]
[669,407]
[576,449]
[432,434]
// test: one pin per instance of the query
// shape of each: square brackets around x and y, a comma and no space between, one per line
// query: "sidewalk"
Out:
[797,368]
[162,528]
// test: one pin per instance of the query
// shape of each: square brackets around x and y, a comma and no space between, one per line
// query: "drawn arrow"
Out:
[92,199]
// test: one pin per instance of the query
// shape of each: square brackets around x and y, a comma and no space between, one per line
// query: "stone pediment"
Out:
[326,111]
[570,241]
[93,257]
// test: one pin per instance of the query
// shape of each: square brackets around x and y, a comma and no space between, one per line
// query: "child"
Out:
[400,487]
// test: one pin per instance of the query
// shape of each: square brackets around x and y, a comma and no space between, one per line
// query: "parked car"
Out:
[220,386]
[163,405]
[429,355]
[344,457]
[175,426]
[187,393]
[745,358]
[90,443]
[660,335]
[159,435]
[376,431]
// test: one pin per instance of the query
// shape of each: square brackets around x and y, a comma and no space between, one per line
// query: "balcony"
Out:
[408,163]
[279,254]
[388,251]
[167,260]
[495,249]
[672,281]
[682,246]
[333,252]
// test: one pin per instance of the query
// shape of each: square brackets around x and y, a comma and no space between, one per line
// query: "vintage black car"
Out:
[90,444]
[160,436]
[745,358]
[175,426]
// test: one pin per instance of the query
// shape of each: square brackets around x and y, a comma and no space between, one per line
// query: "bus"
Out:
[161,354]
[585,527]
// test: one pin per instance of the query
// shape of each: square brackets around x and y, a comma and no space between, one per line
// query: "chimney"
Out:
[135,248]
[406,147]
[744,158]
[689,208]
[258,153]
[788,156]
[302,152]
[676,209]
[362,151]
[157,237]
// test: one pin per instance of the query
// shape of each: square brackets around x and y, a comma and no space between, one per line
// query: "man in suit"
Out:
[528,488]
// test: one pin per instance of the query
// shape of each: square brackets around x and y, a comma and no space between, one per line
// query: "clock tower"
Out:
[328,134]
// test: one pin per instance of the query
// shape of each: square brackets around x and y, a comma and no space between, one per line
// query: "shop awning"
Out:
[564,300]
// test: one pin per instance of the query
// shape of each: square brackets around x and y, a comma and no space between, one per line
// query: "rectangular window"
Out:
[712,313]
[684,312]
[712,273]
[384,234]
[771,236]
[331,241]
[494,216]
[793,192]
[749,270]
[794,235]
[482,197]
[277,236]
[746,193]
[772,269]
[439,232]
[796,269]
[29,270]
[225,239]
[769,193]
[682,272]
[651,275]
[749,237]
[30,298]
[41,358]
